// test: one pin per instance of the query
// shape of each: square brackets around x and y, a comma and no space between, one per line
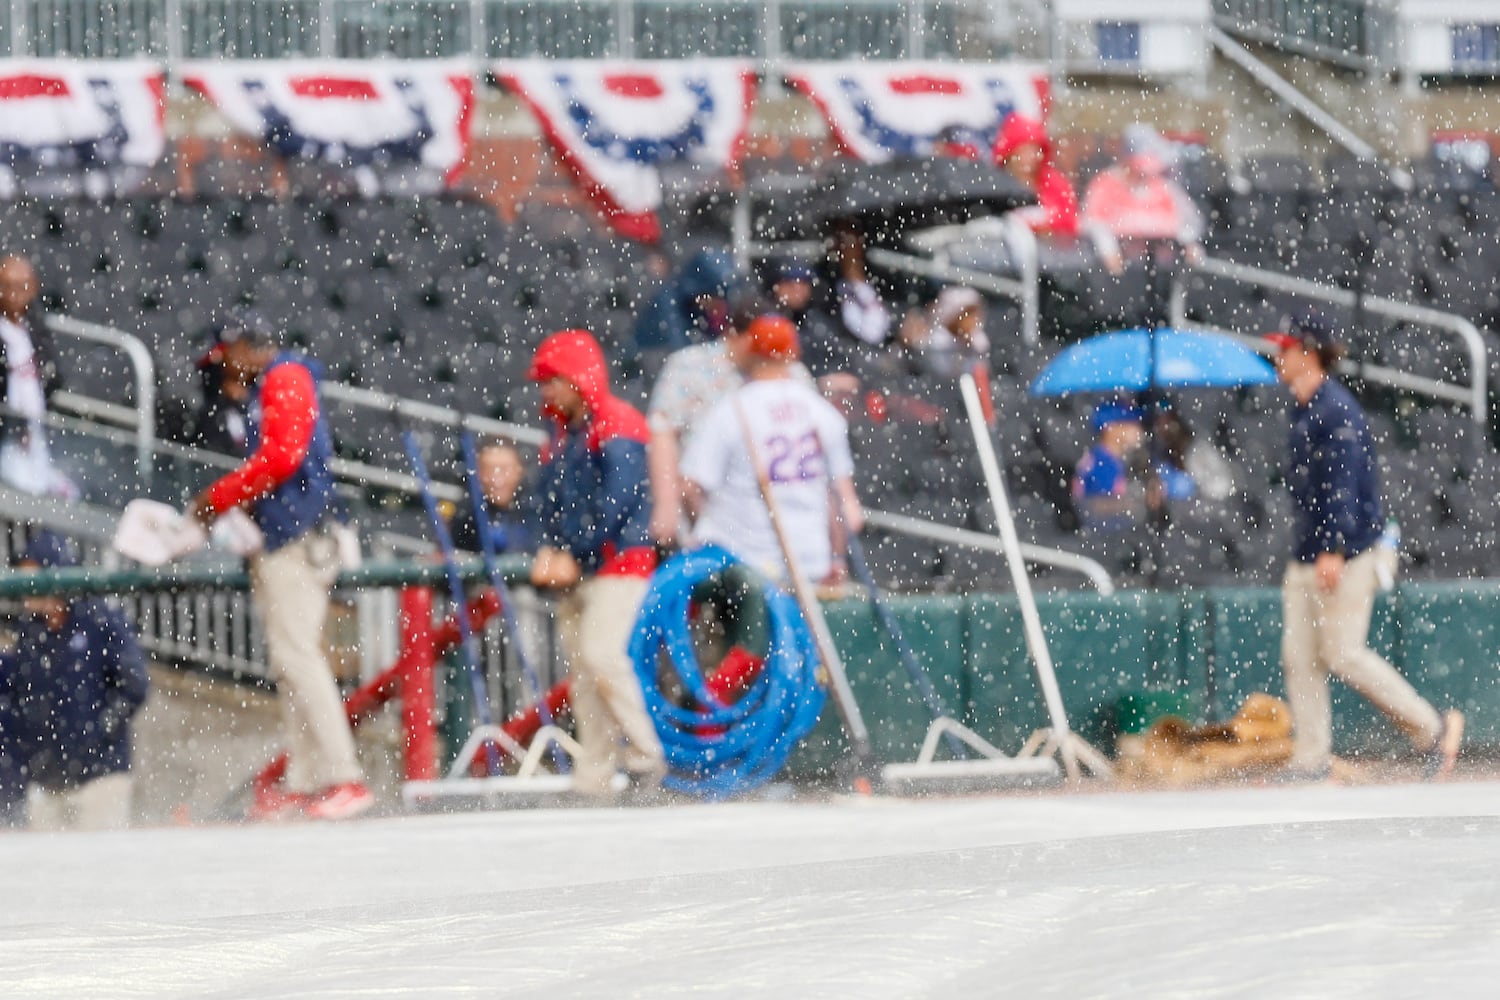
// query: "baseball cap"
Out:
[1310,330]
[773,336]
[1115,412]
[243,325]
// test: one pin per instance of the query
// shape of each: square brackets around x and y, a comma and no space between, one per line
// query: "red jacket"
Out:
[1057,210]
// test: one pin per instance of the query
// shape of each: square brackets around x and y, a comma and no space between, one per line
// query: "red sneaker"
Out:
[273,804]
[344,801]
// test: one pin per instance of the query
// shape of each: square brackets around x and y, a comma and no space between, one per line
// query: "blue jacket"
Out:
[673,319]
[593,496]
[302,502]
[1332,476]
[67,697]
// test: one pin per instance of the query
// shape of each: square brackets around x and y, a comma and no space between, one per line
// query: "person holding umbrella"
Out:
[1328,591]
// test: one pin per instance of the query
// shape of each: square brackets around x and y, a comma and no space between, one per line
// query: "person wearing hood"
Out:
[596,552]
[691,307]
[1023,149]
[69,688]
[288,488]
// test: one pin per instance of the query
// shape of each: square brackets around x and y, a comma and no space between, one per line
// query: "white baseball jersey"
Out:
[803,444]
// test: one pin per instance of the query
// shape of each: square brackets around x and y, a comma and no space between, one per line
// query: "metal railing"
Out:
[1474,396]
[488,29]
[1061,559]
[142,419]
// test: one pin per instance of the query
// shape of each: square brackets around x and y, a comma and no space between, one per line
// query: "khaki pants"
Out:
[1327,634]
[291,590]
[595,622]
[101,804]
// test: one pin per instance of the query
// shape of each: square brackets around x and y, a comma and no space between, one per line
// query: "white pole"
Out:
[1036,640]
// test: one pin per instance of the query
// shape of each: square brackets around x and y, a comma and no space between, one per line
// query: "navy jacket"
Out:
[513,530]
[592,493]
[672,319]
[286,482]
[67,697]
[1332,476]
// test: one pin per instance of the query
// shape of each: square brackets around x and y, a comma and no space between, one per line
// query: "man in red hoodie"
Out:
[594,502]
[1023,149]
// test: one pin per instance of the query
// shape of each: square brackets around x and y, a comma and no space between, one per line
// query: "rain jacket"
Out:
[1332,477]
[673,319]
[1056,212]
[67,696]
[592,493]
[286,481]
[1151,208]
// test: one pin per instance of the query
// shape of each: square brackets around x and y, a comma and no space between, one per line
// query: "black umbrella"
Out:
[887,199]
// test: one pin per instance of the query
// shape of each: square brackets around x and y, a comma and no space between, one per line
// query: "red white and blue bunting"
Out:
[885,111]
[613,124]
[351,114]
[81,115]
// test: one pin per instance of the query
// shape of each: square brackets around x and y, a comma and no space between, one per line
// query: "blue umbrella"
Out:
[1148,360]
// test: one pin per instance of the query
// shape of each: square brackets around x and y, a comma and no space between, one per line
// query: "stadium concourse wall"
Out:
[1212,646]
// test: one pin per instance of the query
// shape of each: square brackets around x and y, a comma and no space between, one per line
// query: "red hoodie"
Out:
[594,493]
[1057,211]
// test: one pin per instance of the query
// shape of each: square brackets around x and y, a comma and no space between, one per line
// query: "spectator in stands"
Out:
[801,443]
[1136,210]
[690,308]
[956,341]
[28,378]
[501,476]
[691,382]
[1023,149]
[596,552]
[289,490]
[1187,467]
[793,293]
[1102,481]
[839,352]
[69,688]
[1328,592]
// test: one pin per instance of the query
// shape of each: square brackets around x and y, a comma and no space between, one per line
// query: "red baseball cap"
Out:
[774,336]
[1310,331]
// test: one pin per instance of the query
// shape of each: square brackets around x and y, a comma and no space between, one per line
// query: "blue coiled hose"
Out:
[762,727]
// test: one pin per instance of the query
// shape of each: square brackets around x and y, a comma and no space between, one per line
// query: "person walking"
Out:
[1328,592]
[803,443]
[69,688]
[596,553]
[288,488]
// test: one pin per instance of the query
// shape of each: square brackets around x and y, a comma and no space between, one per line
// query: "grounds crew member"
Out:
[594,512]
[69,688]
[1328,592]
[288,488]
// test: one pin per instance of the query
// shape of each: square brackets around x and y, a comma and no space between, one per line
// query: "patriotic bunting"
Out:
[613,124]
[884,111]
[74,114]
[353,114]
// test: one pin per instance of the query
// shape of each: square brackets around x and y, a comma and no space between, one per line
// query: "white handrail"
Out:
[145,378]
[386,403]
[1475,397]
[1060,558]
